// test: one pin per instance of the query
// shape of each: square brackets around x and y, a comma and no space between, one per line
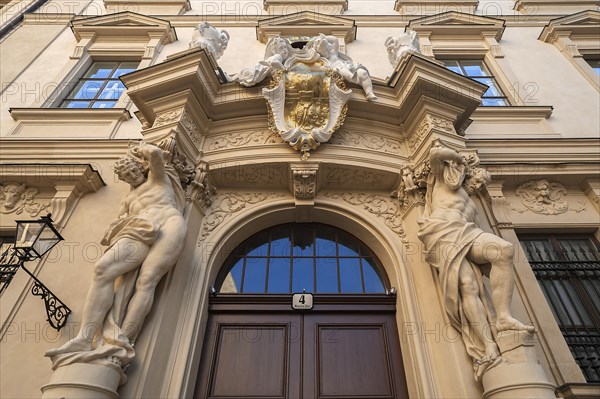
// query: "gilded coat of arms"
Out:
[307,98]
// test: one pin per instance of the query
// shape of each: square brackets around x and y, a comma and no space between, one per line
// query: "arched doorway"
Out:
[257,346]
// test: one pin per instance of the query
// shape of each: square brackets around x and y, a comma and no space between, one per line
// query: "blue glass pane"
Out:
[258,248]
[454,68]
[492,90]
[100,70]
[325,241]
[303,275]
[112,90]
[255,276]
[327,277]
[104,104]
[347,246]
[279,275]
[490,102]
[350,280]
[87,89]
[597,70]
[126,67]
[76,104]
[474,68]
[303,241]
[233,281]
[373,283]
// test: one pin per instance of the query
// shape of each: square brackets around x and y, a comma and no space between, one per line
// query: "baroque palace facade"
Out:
[338,150]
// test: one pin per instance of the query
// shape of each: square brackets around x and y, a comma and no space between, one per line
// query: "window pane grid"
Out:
[99,87]
[568,270]
[478,71]
[319,259]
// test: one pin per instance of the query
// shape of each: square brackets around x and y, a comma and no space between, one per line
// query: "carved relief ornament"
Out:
[304,179]
[428,123]
[16,198]
[226,205]
[544,197]
[376,204]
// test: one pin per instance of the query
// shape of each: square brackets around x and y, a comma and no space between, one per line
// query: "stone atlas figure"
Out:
[143,244]
[458,249]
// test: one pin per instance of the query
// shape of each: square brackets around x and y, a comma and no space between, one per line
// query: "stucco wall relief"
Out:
[380,205]
[243,139]
[18,198]
[545,198]
[226,205]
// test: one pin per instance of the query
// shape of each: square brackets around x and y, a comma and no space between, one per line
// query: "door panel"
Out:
[250,356]
[352,355]
[263,349]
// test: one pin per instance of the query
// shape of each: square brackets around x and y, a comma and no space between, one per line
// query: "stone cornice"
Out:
[454,24]
[306,23]
[58,150]
[585,23]
[47,19]
[124,25]
[375,21]
[69,114]
[580,154]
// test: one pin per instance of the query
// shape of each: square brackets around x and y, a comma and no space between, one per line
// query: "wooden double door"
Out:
[258,347]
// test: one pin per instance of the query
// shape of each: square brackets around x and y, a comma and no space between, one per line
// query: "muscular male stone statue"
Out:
[145,241]
[457,247]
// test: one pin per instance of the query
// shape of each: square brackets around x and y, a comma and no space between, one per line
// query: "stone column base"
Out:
[82,381]
[519,380]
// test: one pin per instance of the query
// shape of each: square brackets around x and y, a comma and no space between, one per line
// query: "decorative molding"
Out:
[19,197]
[192,129]
[227,205]
[500,205]
[554,6]
[339,176]
[200,191]
[243,139]
[544,197]
[427,124]
[591,188]
[309,24]
[458,25]
[429,7]
[168,117]
[329,7]
[59,122]
[151,7]
[304,180]
[379,205]
[348,138]
[583,24]
[413,185]
[69,181]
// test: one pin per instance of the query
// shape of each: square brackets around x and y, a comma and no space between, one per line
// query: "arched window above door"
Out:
[294,257]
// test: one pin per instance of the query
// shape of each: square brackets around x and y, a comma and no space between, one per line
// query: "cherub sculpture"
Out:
[211,39]
[277,52]
[400,45]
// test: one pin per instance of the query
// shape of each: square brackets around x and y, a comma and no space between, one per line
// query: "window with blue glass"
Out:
[594,63]
[100,86]
[477,70]
[291,258]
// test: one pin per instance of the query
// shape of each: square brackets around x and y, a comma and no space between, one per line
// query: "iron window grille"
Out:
[568,271]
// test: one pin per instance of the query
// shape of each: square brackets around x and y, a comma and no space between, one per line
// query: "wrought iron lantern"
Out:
[34,239]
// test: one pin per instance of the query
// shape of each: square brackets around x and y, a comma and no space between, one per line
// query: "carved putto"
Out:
[212,39]
[15,197]
[397,47]
[544,197]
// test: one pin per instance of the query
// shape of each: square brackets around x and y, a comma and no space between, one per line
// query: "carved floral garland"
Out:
[379,205]
[228,204]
